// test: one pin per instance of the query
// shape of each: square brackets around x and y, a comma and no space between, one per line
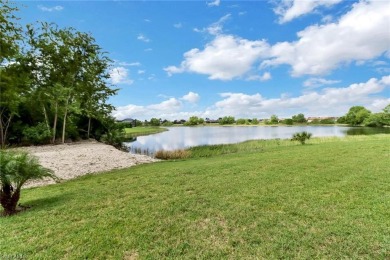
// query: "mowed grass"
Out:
[143,130]
[326,199]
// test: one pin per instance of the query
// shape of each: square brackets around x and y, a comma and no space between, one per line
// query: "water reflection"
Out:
[368,130]
[184,137]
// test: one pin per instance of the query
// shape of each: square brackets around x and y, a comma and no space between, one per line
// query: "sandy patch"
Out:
[69,161]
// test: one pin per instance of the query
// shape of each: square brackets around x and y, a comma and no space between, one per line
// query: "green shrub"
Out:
[16,169]
[301,137]
[38,134]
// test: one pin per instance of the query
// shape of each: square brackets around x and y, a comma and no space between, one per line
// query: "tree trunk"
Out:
[89,126]
[2,141]
[55,123]
[9,199]
[46,117]
[4,129]
[64,122]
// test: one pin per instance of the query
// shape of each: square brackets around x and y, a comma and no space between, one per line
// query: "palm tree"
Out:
[16,168]
[301,137]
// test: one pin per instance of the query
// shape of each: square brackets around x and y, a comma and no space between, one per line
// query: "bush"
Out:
[171,155]
[16,169]
[301,137]
[38,134]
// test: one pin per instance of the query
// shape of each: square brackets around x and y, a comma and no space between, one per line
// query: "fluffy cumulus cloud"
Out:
[120,75]
[168,107]
[50,9]
[329,101]
[225,58]
[291,9]
[191,97]
[359,35]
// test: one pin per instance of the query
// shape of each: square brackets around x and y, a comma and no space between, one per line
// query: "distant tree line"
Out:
[54,83]
[356,116]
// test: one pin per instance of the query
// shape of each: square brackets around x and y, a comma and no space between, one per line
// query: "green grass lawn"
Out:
[143,130]
[327,199]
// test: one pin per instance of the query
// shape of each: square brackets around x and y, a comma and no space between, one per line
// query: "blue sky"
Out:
[248,59]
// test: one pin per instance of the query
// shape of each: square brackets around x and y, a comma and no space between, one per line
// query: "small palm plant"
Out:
[301,137]
[16,168]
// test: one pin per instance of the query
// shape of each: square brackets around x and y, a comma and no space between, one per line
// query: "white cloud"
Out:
[215,28]
[359,35]
[167,107]
[178,25]
[266,76]
[291,9]
[128,64]
[141,71]
[318,82]
[50,9]
[225,58]
[143,38]
[214,3]
[120,75]
[191,97]
[326,102]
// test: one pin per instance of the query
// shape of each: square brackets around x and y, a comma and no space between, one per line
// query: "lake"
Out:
[184,137]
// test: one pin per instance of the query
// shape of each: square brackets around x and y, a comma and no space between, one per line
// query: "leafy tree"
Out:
[10,94]
[193,120]
[379,119]
[155,122]
[69,75]
[16,169]
[227,120]
[255,121]
[342,120]
[241,121]
[273,120]
[300,118]
[356,115]
[301,137]
[288,121]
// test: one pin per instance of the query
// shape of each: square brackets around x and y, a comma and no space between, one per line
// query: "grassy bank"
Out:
[141,130]
[265,199]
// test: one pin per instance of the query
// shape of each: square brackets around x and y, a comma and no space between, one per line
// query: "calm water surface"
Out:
[184,137]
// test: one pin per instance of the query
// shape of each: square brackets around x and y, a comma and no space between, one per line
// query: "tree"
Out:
[255,121]
[69,76]
[241,121]
[274,120]
[301,137]
[16,169]
[155,122]
[288,121]
[226,120]
[379,119]
[10,95]
[356,115]
[193,120]
[300,118]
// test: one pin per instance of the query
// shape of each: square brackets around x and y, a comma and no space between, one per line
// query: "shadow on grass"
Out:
[46,202]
